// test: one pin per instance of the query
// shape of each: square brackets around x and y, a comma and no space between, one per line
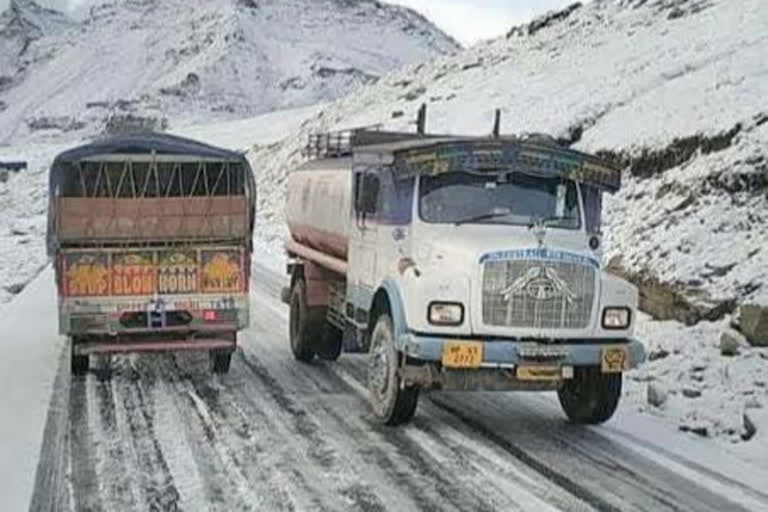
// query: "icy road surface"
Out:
[274,434]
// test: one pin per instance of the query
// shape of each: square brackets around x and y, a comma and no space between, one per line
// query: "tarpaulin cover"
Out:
[159,143]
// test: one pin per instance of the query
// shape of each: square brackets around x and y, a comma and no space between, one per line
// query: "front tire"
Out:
[392,404]
[591,397]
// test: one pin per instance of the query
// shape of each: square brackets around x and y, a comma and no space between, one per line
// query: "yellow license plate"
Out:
[462,354]
[614,359]
[539,372]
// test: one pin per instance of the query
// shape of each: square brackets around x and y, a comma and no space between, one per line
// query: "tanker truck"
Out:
[458,263]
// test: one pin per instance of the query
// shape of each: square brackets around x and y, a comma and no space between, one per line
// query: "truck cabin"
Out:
[531,183]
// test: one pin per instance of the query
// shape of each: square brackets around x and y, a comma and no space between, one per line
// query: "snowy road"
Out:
[163,434]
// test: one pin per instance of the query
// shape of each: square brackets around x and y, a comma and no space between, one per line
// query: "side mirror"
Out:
[368,198]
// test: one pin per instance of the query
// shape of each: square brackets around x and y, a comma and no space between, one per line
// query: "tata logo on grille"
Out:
[539,284]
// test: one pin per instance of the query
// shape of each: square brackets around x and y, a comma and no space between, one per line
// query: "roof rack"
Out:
[340,144]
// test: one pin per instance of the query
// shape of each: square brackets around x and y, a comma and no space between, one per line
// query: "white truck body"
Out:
[526,298]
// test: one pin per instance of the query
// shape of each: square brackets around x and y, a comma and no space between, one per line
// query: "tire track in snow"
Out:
[598,471]
[118,481]
[86,495]
[231,438]
[399,456]
[155,479]
[605,464]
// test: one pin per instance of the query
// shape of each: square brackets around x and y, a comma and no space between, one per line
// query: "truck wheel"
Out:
[332,343]
[305,323]
[392,404]
[591,397]
[78,364]
[221,361]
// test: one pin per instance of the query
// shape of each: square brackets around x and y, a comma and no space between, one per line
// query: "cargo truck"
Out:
[458,263]
[151,238]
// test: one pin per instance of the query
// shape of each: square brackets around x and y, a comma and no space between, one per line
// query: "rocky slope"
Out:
[142,62]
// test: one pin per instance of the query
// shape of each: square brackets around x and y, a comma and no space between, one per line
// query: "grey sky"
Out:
[467,20]
[472,20]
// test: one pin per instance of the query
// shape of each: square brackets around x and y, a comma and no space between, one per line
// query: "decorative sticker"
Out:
[540,254]
[221,272]
[177,272]
[86,275]
[133,274]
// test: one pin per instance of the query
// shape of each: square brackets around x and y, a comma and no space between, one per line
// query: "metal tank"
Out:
[318,206]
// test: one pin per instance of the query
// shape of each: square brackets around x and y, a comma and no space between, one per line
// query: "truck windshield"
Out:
[512,198]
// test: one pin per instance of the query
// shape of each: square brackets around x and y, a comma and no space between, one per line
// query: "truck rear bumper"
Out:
[501,354]
[115,347]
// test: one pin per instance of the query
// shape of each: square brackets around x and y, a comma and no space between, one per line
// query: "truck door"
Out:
[363,238]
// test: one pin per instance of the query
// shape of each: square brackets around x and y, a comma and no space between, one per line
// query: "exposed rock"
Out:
[750,429]
[753,323]
[414,94]
[188,87]
[657,354]
[63,123]
[691,393]
[118,124]
[729,344]
[14,289]
[699,430]
[651,162]
[657,395]
[672,301]
[542,22]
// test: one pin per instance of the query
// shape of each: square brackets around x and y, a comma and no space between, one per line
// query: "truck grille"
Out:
[538,294]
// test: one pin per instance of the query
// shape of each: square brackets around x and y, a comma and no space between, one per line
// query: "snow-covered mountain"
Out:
[673,90]
[159,59]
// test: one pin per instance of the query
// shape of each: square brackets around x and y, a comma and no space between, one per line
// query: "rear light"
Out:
[210,315]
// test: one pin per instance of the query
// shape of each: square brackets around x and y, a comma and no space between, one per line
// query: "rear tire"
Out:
[220,361]
[391,403]
[332,343]
[78,364]
[591,397]
[305,324]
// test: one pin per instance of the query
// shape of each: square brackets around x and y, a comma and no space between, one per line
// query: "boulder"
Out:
[655,355]
[749,428]
[729,344]
[691,393]
[657,395]
[753,323]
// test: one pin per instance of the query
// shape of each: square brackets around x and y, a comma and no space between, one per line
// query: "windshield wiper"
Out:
[546,221]
[483,216]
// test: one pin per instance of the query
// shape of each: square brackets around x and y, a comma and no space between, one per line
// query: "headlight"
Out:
[616,318]
[446,313]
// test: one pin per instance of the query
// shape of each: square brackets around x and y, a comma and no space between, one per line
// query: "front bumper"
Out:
[503,353]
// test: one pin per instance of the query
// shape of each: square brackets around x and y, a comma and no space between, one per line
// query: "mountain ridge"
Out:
[175,58]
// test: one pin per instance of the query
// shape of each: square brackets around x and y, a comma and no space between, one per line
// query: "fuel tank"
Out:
[318,205]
